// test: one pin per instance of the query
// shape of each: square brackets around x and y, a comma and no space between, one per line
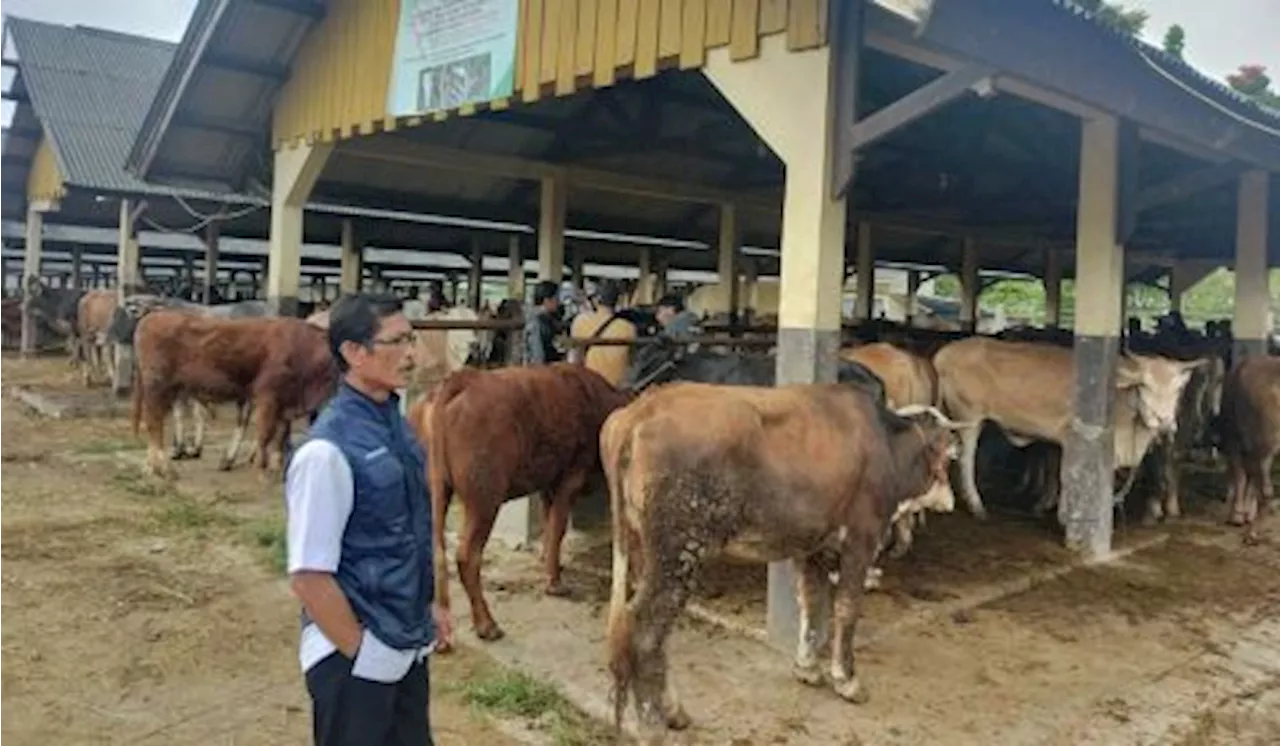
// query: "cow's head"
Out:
[936,437]
[1156,385]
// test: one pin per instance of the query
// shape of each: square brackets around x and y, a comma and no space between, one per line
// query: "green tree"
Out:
[1175,40]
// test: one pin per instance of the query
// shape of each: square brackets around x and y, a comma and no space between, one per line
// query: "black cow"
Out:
[54,311]
[664,362]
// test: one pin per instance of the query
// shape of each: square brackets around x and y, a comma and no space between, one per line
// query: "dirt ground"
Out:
[136,611]
[140,612]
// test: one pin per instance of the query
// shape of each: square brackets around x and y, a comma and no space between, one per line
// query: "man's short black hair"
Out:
[543,290]
[671,301]
[356,317]
[607,292]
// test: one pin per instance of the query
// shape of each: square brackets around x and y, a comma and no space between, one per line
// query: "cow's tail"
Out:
[434,421]
[135,396]
[615,451]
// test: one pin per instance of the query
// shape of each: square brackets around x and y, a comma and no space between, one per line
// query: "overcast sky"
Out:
[1221,34]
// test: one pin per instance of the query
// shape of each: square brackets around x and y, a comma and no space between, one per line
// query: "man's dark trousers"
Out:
[347,711]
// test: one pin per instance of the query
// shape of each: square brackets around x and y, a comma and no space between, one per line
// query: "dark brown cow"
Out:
[282,366]
[811,473]
[495,435]
[1250,436]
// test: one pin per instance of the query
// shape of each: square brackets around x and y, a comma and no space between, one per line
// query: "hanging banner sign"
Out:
[452,52]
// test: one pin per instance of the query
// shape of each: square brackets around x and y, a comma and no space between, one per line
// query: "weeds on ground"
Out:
[269,536]
[106,446]
[511,693]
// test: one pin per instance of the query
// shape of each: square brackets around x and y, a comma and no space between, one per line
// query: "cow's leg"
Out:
[178,452]
[814,596]
[556,506]
[198,412]
[477,523]
[1258,477]
[902,535]
[968,480]
[268,421]
[154,413]
[243,411]
[1238,503]
[855,557]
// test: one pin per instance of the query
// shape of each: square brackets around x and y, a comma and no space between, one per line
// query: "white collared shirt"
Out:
[320,491]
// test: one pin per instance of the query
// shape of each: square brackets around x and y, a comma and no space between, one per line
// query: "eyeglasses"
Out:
[396,341]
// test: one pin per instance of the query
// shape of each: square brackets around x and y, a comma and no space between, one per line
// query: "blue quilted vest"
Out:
[385,568]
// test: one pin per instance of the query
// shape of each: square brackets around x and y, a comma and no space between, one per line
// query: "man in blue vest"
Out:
[359,541]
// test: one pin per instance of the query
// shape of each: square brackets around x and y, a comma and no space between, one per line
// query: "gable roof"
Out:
[90,89]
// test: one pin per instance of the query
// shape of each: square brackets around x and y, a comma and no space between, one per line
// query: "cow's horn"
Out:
[914,409]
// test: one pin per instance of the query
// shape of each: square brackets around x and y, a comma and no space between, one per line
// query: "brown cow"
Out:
[810,473]
[1249,428]
[909,379]
[93,316]
[495,435]
[282,366]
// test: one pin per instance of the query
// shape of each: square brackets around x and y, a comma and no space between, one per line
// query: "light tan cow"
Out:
[92,319]
[1027,388]
[439,352]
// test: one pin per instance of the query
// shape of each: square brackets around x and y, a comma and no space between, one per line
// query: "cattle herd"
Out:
[702,455]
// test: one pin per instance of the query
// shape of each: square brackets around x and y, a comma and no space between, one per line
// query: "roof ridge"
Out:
[1178,64]
[92,31]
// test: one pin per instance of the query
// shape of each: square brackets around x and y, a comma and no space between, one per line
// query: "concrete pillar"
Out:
[750,278]
[1052,289]
[77,269]
[1184,274]
[515,268]
[1085,508]
[129,277]
[211,237]
[577,268]
[797,122]
[659,277]
[352,259]
[970,286]
[865,264]
[913,296]
[129,280]
[644,287]
[475,276]
[295,173]
[1249,323]
[31,271]
[727,258]
[551,222]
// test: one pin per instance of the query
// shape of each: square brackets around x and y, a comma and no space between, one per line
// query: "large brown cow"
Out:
[281,366]
[495,435]
[93,316]
[810,473]
[1027,389]
[1249,428]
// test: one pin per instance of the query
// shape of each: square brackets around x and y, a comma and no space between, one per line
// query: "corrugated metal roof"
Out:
[90,88]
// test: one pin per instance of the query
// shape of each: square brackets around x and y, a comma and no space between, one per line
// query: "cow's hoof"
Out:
[557,589]
[1237,519]
[177,454]
[224,465]
[195,454]
[678,720]
[1150,519]
[490,632]
[442,648]
[810,674]
[852,690]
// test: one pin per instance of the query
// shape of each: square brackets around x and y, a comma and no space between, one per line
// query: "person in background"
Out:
[675,319]
[359,541]
[542,325]
[605,322]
